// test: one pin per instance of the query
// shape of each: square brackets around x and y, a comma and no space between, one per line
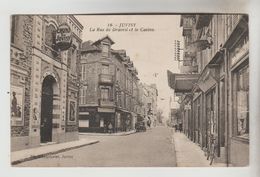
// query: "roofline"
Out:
[107,36]
[76,21]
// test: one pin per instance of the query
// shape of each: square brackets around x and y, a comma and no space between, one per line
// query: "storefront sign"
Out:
[17,105]
[63,37]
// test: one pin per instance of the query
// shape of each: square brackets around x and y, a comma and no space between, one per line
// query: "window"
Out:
[104,93]
[105,69]
[73,61]
[83,72]
[105,49]
[117,74]
[83,95]
[50,35]
[242,101]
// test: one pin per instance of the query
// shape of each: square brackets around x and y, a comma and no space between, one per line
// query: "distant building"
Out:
[109,88]
[151,102]
[213,85]
[44,79]
[148,95]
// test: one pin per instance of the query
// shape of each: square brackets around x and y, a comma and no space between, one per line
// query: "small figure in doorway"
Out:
[110,127]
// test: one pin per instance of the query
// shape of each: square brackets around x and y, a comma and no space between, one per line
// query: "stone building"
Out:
[214,84]
[151,103]
[109,88]
[44,79]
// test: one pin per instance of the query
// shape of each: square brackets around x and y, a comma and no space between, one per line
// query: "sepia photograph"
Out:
[129,90]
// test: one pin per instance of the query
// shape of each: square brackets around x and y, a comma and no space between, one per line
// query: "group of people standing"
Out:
[178,127]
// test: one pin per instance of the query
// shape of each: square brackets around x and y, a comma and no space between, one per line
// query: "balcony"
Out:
[106,79]
[106,103]
[187,22]
[203,20]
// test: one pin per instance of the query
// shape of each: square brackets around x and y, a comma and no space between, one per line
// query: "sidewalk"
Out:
[109,134]
[189,154]
[45,150]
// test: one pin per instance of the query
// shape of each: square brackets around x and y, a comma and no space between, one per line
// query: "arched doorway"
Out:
[47,109]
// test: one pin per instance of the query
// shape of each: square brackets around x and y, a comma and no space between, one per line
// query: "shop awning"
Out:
[181,83]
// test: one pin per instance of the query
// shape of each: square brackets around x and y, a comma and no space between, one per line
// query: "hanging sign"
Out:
[63,37]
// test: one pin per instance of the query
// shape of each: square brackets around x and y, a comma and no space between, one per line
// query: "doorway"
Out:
[212,124]
[47,109]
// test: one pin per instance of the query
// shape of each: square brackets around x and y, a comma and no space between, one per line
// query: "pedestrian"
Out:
[180,127]
[110,127]
[176,127]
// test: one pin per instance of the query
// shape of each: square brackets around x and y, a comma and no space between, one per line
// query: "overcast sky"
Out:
[151,51]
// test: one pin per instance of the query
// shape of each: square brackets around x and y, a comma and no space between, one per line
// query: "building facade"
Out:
[44,86]
[109,88]
[151,103]
[214,84]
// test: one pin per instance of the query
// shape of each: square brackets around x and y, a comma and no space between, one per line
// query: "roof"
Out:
[120,53]
[88,46]
[103,38]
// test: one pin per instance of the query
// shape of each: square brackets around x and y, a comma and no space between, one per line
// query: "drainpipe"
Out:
[226,104]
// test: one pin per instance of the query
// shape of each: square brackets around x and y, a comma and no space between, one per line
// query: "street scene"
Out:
[151,90]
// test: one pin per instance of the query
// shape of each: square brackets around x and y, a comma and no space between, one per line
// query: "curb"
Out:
[174,147]
[32,157]
[106,134]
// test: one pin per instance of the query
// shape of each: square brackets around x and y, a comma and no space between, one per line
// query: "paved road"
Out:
[153,148]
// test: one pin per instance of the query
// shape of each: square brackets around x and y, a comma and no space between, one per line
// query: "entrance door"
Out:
[46,109]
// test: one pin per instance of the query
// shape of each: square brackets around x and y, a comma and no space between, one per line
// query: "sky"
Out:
[151,48]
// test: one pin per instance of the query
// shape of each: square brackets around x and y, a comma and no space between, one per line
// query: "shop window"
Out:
[242,102]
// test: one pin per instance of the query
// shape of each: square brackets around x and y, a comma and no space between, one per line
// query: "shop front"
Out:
[197,113]
[183,84]
[98,120]
[210,127]
[124,120]
[239,113]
